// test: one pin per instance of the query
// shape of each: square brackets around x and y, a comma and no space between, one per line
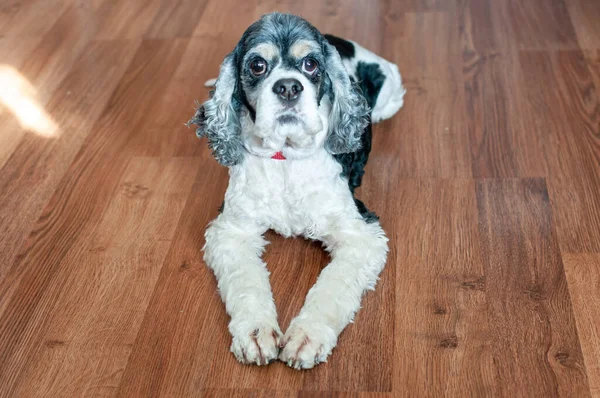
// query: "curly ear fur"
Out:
[350,112]
[217,118]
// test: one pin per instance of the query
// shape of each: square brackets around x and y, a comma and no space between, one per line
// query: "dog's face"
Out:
[283,88]
[283,82]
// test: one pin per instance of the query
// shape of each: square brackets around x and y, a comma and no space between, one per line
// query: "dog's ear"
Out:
[218,117]
[349,110]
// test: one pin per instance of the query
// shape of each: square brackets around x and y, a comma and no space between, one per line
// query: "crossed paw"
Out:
[302,347]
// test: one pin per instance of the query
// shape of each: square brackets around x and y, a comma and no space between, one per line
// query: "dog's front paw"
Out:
[307,344]
[258,346]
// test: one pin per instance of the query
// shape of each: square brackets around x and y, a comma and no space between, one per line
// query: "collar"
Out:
[278,156]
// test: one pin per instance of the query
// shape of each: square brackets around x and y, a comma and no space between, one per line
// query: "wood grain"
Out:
[583,276]
[442,330]
[146,204]
[500,144]
[432,144]
[39,163]
[593,60]
[184,307]
[571,148]
[539,24]
[40,71]
[530,314]
[487,184]
[124,19]
[585,15]
[90,181]
[31,17]
[176,19]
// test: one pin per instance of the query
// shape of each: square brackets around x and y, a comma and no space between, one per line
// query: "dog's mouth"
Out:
[288,119]
[288,144]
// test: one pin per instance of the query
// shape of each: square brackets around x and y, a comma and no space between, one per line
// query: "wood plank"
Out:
[474,298]
[176,19]
[428,136]
[117,266]
[31,17]
[57,52]
[226,20]
[338,394]
[480,25]
[568,114]
[583,276]
[242,393]
[166,134]
[501,144]
[13,54]
[36,79]
[124,19]
[424,5]
[510,25]
[78,203]
[355,20]
[442,331]
[535,343]
[593,60]
[585,15]
[38,164]
[541,25]
[185,322]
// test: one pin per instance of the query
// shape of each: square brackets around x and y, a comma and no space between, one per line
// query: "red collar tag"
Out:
[278,156]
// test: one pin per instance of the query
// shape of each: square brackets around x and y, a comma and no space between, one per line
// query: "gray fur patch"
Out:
[218,120]
[350,112]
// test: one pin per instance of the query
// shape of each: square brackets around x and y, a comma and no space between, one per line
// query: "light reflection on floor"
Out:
[18,96]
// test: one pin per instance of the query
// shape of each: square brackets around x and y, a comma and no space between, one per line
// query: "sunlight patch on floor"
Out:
[19,97]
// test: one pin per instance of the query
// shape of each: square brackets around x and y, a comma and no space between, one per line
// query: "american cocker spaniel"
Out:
[291,118]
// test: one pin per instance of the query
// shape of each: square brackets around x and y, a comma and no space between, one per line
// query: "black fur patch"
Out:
[353,167]
[344,47]
[353,164]
[371,81]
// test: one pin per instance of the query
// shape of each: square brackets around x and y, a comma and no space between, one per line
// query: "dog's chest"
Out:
[292,197]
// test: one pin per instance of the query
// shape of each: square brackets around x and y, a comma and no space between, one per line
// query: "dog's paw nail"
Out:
[257,346]
[300,351]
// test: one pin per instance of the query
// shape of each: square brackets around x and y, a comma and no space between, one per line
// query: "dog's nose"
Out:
[288,90]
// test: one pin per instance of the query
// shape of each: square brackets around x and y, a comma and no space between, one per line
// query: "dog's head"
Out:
[283,88]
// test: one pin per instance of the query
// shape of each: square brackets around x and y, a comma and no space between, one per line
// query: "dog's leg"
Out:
[359,251]
[233,252]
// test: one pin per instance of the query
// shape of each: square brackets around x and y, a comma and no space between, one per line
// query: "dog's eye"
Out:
[309,65]
[258,67]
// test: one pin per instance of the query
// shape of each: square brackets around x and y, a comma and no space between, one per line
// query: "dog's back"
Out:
[381,85]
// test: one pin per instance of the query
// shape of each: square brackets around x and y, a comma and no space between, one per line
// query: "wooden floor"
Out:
[487,183]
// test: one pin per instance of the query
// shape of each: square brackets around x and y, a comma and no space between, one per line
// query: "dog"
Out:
[291,118]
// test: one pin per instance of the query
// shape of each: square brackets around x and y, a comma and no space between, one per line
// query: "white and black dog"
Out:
[291,117]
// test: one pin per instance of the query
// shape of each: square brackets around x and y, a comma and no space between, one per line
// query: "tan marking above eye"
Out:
[302,48]
[267,50]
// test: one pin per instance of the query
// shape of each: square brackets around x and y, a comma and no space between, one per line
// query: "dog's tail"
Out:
[378,78]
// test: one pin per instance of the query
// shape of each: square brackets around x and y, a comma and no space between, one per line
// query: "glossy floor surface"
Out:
[487,183]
